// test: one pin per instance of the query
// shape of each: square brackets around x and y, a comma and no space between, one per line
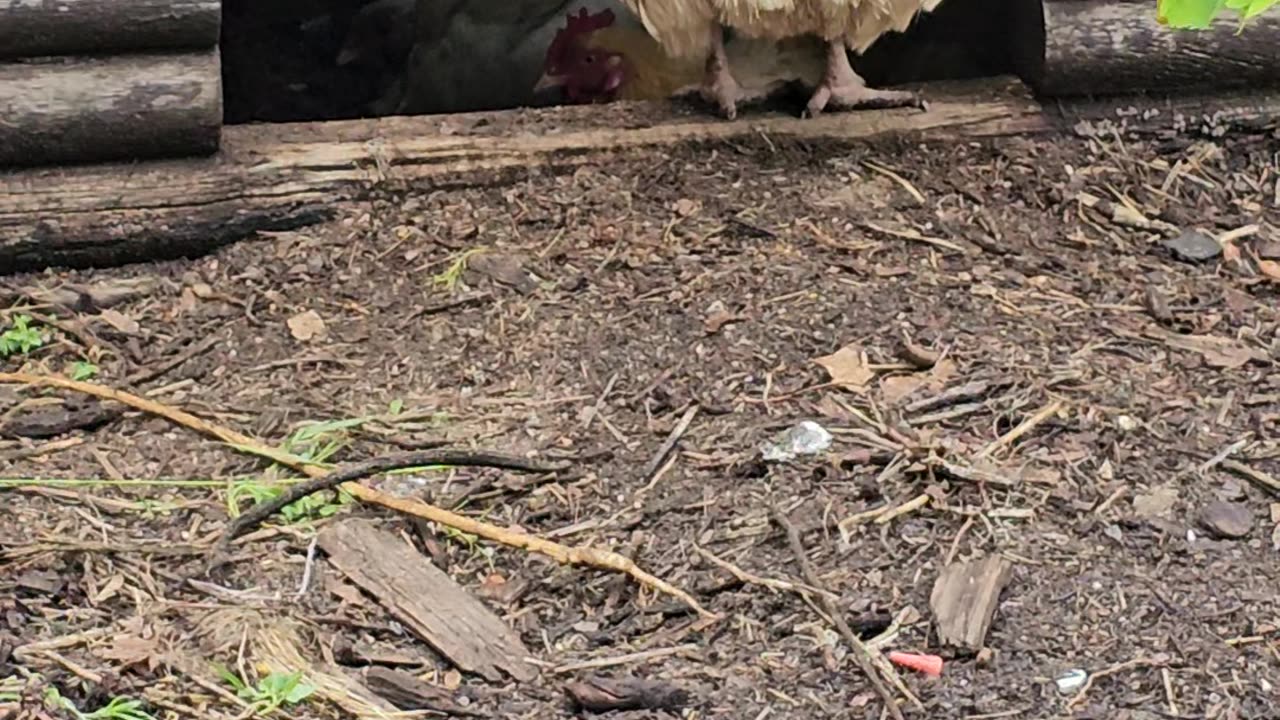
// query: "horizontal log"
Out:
[1103,47]
[73,27]
[277,177]
[81,110]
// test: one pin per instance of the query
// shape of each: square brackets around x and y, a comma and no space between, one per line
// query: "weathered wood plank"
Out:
[72,27]
[1107,47]
[275,177]
[964,600]
[65,110]
[426,600]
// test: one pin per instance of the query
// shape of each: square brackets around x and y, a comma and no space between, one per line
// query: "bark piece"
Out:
[129,107]
[426,600]
[602,694]
[964,600]
[409,693]
[72,27]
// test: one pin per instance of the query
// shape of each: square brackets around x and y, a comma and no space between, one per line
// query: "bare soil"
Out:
[1118,393]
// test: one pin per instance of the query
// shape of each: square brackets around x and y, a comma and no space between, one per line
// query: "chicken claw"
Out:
[720,88]
[843,89]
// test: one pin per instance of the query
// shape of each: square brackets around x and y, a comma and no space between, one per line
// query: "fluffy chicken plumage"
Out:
[694,28]
[645,71]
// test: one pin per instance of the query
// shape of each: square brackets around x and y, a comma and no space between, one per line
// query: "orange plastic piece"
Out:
[927,664]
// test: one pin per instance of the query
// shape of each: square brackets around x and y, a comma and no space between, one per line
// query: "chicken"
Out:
[482,54]
[601,57]
[696,29]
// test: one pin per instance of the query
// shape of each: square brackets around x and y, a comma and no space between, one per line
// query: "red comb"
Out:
[575,25]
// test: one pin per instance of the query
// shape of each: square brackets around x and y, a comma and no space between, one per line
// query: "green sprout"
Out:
[1200,14]
[20,338]
[271,692]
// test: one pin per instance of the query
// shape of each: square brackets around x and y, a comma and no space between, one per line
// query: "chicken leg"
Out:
[843,89]
[720,88]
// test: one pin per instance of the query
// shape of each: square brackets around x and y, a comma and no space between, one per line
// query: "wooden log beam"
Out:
[73,27]
[275,177]
[80,110]
[1107,47]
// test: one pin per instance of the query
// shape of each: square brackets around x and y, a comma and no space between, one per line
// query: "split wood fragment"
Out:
[426,600]
[592,557]
[964,600]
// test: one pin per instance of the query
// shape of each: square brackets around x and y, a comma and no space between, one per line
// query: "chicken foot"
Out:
[720,88]
[844,89]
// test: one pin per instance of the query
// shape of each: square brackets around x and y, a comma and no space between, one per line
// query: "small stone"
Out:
[1126,423]
[1194,246]
[1227,519]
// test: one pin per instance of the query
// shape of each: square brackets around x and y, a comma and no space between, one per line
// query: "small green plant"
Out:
[1200,14]
[118,709]
[318,505]
[452,274]
[272,691]
[82,370]
[20,338]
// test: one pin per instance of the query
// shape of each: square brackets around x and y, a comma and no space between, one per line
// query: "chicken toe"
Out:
[720,88]
[844,89]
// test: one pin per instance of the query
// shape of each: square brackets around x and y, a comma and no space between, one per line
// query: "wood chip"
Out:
[426,600]
[409,693]
[964,600]
[601,694]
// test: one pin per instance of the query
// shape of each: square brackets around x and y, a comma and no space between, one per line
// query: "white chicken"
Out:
[696,28]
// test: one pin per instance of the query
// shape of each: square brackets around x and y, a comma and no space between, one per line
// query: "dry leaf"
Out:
[1270,268]
[895,389]
[109,590]
[128,649]
[847,368]
[307,326]
[1217,351]
[120,321]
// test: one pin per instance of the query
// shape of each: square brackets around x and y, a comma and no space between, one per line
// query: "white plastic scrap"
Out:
[806,438]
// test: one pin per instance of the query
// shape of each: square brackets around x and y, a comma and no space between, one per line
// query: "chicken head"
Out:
[584,74]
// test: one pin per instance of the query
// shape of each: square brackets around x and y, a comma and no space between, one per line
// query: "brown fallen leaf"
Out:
[1270,268]
[129,649]
[307,326]
[1222,352]
[848,368]
[120,321]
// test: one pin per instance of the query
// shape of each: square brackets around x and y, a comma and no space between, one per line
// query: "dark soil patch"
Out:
[599,306]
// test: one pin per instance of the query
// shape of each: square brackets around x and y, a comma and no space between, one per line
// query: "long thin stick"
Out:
[861,654]
[602,559]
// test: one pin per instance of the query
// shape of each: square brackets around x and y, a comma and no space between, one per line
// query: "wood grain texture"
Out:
[1105,47]
[426,600]
[72,27]
[964,600]
[81,110]
[277,177]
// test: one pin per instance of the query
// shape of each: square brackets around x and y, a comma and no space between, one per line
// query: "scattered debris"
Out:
[505,269]
[1193,246]
[964,600]
[46,419]
[426,600]
[121,322]
[928,664]
[921,358]
[806,438]
[602,694]
[1227,519]
[1227,353]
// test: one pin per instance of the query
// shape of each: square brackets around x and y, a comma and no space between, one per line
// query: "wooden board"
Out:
[964,600]
[131,107]
[72,27]
[426,600]
[1107,47]
[276,177]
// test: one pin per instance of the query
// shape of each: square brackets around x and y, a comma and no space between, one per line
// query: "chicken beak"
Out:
[548,81]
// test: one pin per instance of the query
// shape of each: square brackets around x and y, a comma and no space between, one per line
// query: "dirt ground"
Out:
[1098,408]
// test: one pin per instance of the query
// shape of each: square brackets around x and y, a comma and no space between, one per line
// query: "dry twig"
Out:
[862,655]
[592,557]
